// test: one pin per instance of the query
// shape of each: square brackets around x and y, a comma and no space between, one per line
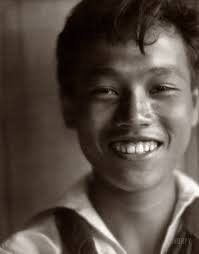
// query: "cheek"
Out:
[95,117]
[175,109]
[176,117]
[92,126]
[93,123]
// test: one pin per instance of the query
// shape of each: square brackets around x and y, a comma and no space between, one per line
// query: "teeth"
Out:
[117,147]
[139,148]
[135,148]
[123,148]
[147,147]
[130,149]
[153,146]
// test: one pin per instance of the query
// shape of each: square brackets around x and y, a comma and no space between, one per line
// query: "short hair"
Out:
[118,21]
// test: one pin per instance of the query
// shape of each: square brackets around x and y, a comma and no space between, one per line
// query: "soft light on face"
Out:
[135,112]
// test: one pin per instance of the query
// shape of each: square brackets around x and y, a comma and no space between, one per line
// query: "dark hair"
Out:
[118,21]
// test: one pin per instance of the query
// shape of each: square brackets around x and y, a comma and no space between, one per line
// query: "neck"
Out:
[127,213]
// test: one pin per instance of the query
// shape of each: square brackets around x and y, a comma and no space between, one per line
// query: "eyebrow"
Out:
[167,70]
[156,70]
[100,71]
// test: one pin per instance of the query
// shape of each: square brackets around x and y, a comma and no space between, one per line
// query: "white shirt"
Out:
[43,238]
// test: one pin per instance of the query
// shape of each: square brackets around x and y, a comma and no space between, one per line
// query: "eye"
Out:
[104,92]
[162,89]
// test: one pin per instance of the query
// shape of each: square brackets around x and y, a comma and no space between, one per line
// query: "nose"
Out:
[134,110]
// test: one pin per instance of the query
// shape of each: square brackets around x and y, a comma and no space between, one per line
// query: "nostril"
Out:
[134,120]
[123,124]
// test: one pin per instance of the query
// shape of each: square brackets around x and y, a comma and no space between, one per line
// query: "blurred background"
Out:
[39,158]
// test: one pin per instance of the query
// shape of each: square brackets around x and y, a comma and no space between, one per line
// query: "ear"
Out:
[68,110]
[195,99]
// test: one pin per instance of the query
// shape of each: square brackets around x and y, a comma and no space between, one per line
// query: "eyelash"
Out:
[111,93]
[162,88]
[104,91]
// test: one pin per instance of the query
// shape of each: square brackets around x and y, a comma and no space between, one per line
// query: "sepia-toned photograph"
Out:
[99,137]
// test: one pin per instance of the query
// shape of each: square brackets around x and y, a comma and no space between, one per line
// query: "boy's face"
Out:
[134,112]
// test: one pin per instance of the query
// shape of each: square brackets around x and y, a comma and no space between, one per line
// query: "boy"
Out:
[128,82]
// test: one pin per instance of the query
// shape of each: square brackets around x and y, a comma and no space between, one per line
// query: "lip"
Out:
[134,139]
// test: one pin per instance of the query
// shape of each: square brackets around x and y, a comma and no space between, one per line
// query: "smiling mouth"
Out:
[135,148]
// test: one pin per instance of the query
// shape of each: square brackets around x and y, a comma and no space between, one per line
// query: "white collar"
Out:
[77,199]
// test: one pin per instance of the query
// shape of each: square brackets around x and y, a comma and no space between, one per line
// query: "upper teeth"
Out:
[135,148]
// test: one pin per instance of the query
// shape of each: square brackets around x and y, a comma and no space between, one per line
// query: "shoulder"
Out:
[39,236]
[42,235]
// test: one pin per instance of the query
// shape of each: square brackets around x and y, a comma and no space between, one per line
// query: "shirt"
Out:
[43,237]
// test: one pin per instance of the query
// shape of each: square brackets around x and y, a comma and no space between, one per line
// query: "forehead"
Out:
[164,52]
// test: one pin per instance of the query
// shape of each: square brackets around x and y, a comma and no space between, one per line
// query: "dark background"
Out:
[39,158]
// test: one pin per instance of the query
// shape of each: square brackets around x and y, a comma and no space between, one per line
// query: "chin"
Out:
[133,183]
